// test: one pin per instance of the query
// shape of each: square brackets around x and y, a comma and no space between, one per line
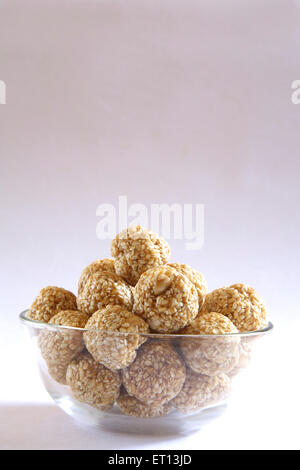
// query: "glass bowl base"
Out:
[114,421]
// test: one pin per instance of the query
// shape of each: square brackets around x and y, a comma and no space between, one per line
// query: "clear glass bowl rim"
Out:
[41,325]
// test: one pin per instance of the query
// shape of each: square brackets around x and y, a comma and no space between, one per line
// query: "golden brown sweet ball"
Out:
[102,289]
[50,301]
[92,383]
[99,265]
[166,299]
[209,354]
[241,304]
[137,249]
[200,391]
[157,374]
[195,277]
[59,346]
[131,406]
[112,338]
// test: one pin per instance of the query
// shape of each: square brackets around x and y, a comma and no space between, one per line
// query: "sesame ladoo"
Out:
[137,249]
[241,304]
[72,318]
[92,383]
[59,347]
[166,299]
[131,406]
[143,333]
[195,277]
[99,265]
[102,289]
[113,343]
[157,374]
[200,391]
[207,355]
[50,301]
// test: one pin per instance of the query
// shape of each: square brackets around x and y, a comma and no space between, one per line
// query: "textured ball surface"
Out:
[201,391]
[92,383]
[137,249]
[241,304]
[166,299]
[72,318]
[113,343]
[195,277]
[59,347]
[102,289]
[131,406]
[50,301]
[210,355]
[157,374]
[99,265]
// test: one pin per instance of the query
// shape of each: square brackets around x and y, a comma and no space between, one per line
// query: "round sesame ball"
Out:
[166,299]
[210,355]
[131,406]
[102,289]
[113,342]
[72,318]
[58,347]
[92,383]
[195,277]
[50,301]
[200,391]
[137,249]
[241,304]
[99,265]
[57,372]
[157,374]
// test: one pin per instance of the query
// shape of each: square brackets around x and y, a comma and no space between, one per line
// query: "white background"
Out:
[162,101]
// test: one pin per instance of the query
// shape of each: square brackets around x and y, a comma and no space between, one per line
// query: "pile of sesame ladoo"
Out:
[143,333]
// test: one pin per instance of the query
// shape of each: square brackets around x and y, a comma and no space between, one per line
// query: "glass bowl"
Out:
[143,383]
